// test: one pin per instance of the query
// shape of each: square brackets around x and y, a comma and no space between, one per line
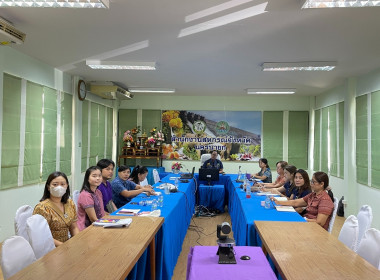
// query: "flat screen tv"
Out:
[208,174]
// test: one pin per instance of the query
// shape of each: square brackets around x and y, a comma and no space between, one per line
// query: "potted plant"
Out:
[151,141]
[176,167]
[127,138]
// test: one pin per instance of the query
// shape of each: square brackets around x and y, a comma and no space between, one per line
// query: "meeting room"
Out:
[189,140]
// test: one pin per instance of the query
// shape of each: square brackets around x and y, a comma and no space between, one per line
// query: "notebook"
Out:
[188,175]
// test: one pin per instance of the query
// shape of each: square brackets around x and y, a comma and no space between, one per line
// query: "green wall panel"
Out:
[298,139]
[272,139]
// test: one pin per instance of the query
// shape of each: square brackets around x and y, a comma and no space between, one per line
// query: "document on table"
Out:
[281,208]
[281,198]
[128,212]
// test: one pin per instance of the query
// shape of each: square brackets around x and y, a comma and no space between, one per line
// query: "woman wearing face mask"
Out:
[90,201]
[57,208]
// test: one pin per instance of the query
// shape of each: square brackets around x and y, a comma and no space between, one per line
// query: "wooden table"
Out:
[307,251]
[98,253]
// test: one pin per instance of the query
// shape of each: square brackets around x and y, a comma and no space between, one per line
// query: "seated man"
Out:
[213,162]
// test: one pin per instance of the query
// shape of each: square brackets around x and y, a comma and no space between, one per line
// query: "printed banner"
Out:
[189,134]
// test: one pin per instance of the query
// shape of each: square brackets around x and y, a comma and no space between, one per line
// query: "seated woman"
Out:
[57,208]
[287,188]
[319,204]
[90,201]
[280,180]
[138,176]
[301,187]
[124,190]
[265,174]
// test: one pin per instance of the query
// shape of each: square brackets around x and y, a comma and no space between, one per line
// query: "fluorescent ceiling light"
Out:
[215,9]
[339,4]
[155,90]
[223,20]
[120,65]
[271,91]
[299,66]
[56,3]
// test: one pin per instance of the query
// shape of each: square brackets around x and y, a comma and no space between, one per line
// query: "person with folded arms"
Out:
[57,208]
[319,204]
[124,190]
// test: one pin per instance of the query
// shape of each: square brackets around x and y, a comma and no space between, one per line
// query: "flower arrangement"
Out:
[151,140]
[153,131]
[176,166]
[135,130]
[127,136]
[159,136]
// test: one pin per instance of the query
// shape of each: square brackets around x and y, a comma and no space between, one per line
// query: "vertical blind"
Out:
[272,140]
[361,140]
[298,138]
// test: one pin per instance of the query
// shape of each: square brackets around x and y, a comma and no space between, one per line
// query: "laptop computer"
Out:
[188,175]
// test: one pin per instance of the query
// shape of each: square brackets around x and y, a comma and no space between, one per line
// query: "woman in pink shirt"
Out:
[90,201]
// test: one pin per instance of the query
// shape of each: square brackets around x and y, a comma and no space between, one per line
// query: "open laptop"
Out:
[188,175]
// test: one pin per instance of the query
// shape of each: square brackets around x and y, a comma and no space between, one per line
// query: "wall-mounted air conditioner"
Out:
[109,90]
[9,34]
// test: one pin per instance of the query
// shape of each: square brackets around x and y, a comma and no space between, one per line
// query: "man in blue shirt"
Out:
[124,190]
[213,162]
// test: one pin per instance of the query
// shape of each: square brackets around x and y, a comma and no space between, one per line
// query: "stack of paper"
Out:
[128,212]
[282,208]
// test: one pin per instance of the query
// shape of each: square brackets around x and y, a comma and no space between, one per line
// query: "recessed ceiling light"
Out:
[339,4]
[55,3]
[271,91]
[298,66]
[223,20]
[154,90]
[120,65]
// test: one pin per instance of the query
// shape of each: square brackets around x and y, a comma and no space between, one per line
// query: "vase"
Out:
[128,144]
[175,171]
[152,145]
[158,143]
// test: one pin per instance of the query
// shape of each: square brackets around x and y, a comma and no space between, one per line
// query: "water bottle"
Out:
[154,204]
[176,182]
[166,188]
[142,203]
[160,200]
[247,190]
[239,175]
[267,202]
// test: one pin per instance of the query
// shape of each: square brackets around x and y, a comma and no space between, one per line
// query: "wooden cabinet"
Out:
[135,153]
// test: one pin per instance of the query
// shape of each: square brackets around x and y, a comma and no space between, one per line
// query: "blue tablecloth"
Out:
[177,211]
[244,211]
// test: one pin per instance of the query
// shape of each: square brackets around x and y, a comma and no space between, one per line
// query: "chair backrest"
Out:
[369,247]
[22,214]
[205,157]
[16,254]
[349,232]
[365,221]
[156,176]
[76,194]
[40,237]
[331,224]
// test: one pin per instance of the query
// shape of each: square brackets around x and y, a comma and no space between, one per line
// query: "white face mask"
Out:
[58,191]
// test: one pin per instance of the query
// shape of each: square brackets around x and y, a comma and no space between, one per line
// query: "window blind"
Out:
[272,140]
[375,139]
[361,140]
[66,133]
[298,139]
[317,140]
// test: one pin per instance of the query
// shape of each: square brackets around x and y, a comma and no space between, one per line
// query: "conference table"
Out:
[177,210]
[306,250]
[203,264]
[97,253]
[245,211]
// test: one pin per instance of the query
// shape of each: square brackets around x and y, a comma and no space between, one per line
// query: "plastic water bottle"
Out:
[160,200]
[176,182]
[166,188]
[248,189]
[267,202]
[239,175]
[142,203]
[154,204]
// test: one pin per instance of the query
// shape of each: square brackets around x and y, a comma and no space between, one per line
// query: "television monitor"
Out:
[208,174]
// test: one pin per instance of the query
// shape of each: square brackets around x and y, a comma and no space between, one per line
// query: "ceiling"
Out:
[223,61]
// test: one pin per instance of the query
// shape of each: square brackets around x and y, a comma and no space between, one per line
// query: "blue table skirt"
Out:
[244,211]
[177,211]
[212,196]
